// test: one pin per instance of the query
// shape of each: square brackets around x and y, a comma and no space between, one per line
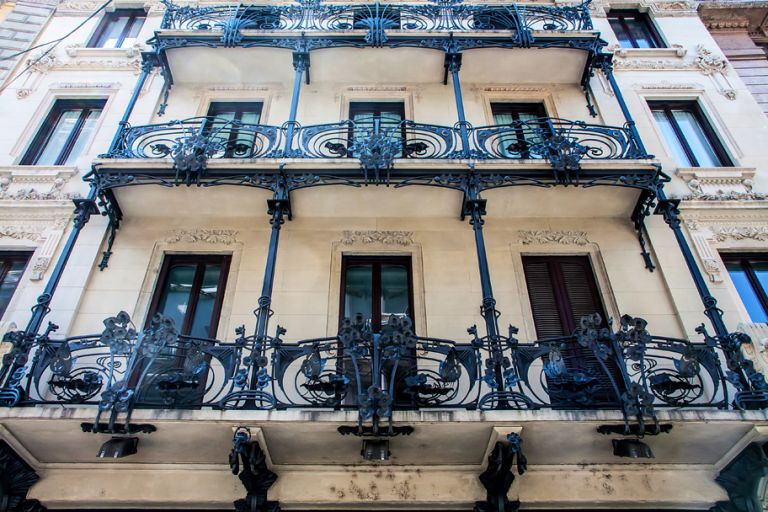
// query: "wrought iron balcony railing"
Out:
[377,144]
[376,21]
[124,368]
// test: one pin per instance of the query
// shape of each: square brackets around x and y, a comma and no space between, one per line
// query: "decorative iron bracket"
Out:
[16,478]
[498,476]
[249,462]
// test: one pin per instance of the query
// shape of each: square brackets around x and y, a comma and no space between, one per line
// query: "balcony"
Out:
[415,31]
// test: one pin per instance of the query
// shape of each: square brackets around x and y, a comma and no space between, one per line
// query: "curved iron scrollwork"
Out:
[375,373]
[377,20]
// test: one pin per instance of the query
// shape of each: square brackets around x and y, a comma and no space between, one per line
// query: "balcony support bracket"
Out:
[498,476]
[249,462]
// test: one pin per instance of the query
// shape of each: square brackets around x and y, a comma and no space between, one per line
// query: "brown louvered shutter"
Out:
[562,289]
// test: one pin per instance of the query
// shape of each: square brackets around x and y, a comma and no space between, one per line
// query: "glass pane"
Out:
[395,299]
[175,296]
[133,33]
[55,143]
[89,124]
[358,292]
[201,324]
[639,31]
[621,34]
[697,139]
[8,286]
[250,117]
[673,142]
[112,32]
[761,271]
[746,292]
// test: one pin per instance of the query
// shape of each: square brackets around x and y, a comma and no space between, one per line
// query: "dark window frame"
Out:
[694,108]
[45,131]
[376,262]
[515,109]
[200,260]
[239,107]
[745,260]
[7,258]
[133,15]
[643,20]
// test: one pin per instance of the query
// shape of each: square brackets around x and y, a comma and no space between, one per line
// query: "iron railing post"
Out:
[146,69]
[607,67]
[452,66]
[300,65]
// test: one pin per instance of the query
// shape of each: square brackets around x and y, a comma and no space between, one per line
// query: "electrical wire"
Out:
[55,43]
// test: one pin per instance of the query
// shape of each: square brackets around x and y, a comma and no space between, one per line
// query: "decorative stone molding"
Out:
[664,86]
[85,7]
[21,232]
[731,23]
[55,193]
[527,237]
[377,237]
[210,236]
[723,233]
[675,50]
[657,8]
[44,233]
[719,184]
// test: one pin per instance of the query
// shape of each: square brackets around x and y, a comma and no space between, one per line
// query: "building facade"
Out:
[364,256]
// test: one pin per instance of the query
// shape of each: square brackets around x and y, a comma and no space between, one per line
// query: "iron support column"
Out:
[474,208]
[23,341]
[300,65]
[146,68]
[668,208]
[452,66]
[278,208]
[607,68]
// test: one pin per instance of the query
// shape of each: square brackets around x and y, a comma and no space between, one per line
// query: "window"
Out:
[190,291]
[562,289]
[688,134]
[376,287]
[634,29]
[64,133]
[229,116]
[376,117]
[749,274]
[527,119]
[12,265]
[118,29]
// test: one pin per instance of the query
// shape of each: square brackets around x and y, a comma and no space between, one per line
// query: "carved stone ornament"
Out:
[720,184]
[21,232]
[552,237]
[723,233]
[377,237]
[55,193]
[657,8]
[210,236]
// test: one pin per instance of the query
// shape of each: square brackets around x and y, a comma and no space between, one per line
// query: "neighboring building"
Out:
[301,231]
[741,31]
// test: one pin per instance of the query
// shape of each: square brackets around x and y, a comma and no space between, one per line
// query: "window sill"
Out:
[675,51]
[78,51]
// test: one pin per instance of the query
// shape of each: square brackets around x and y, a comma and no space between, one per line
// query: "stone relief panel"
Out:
[44,234]
[210,236]
[377,237]
[719,184]
[527,237]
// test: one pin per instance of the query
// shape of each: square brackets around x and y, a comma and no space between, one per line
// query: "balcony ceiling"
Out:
[375,65]
[375,201]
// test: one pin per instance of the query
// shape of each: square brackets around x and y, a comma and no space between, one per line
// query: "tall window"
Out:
[226,118]
[118,29]
[562,289]
[527,120]
[376,117]
[749,273]
[688,134]
[634,29]
[12,265]
[376,287]
[190,291]
[64,133]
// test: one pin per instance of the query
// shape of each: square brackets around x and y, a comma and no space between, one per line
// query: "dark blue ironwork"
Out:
[147,64]
[742,479]
[300,66]
[498,477]
[15,360]
[249,462]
